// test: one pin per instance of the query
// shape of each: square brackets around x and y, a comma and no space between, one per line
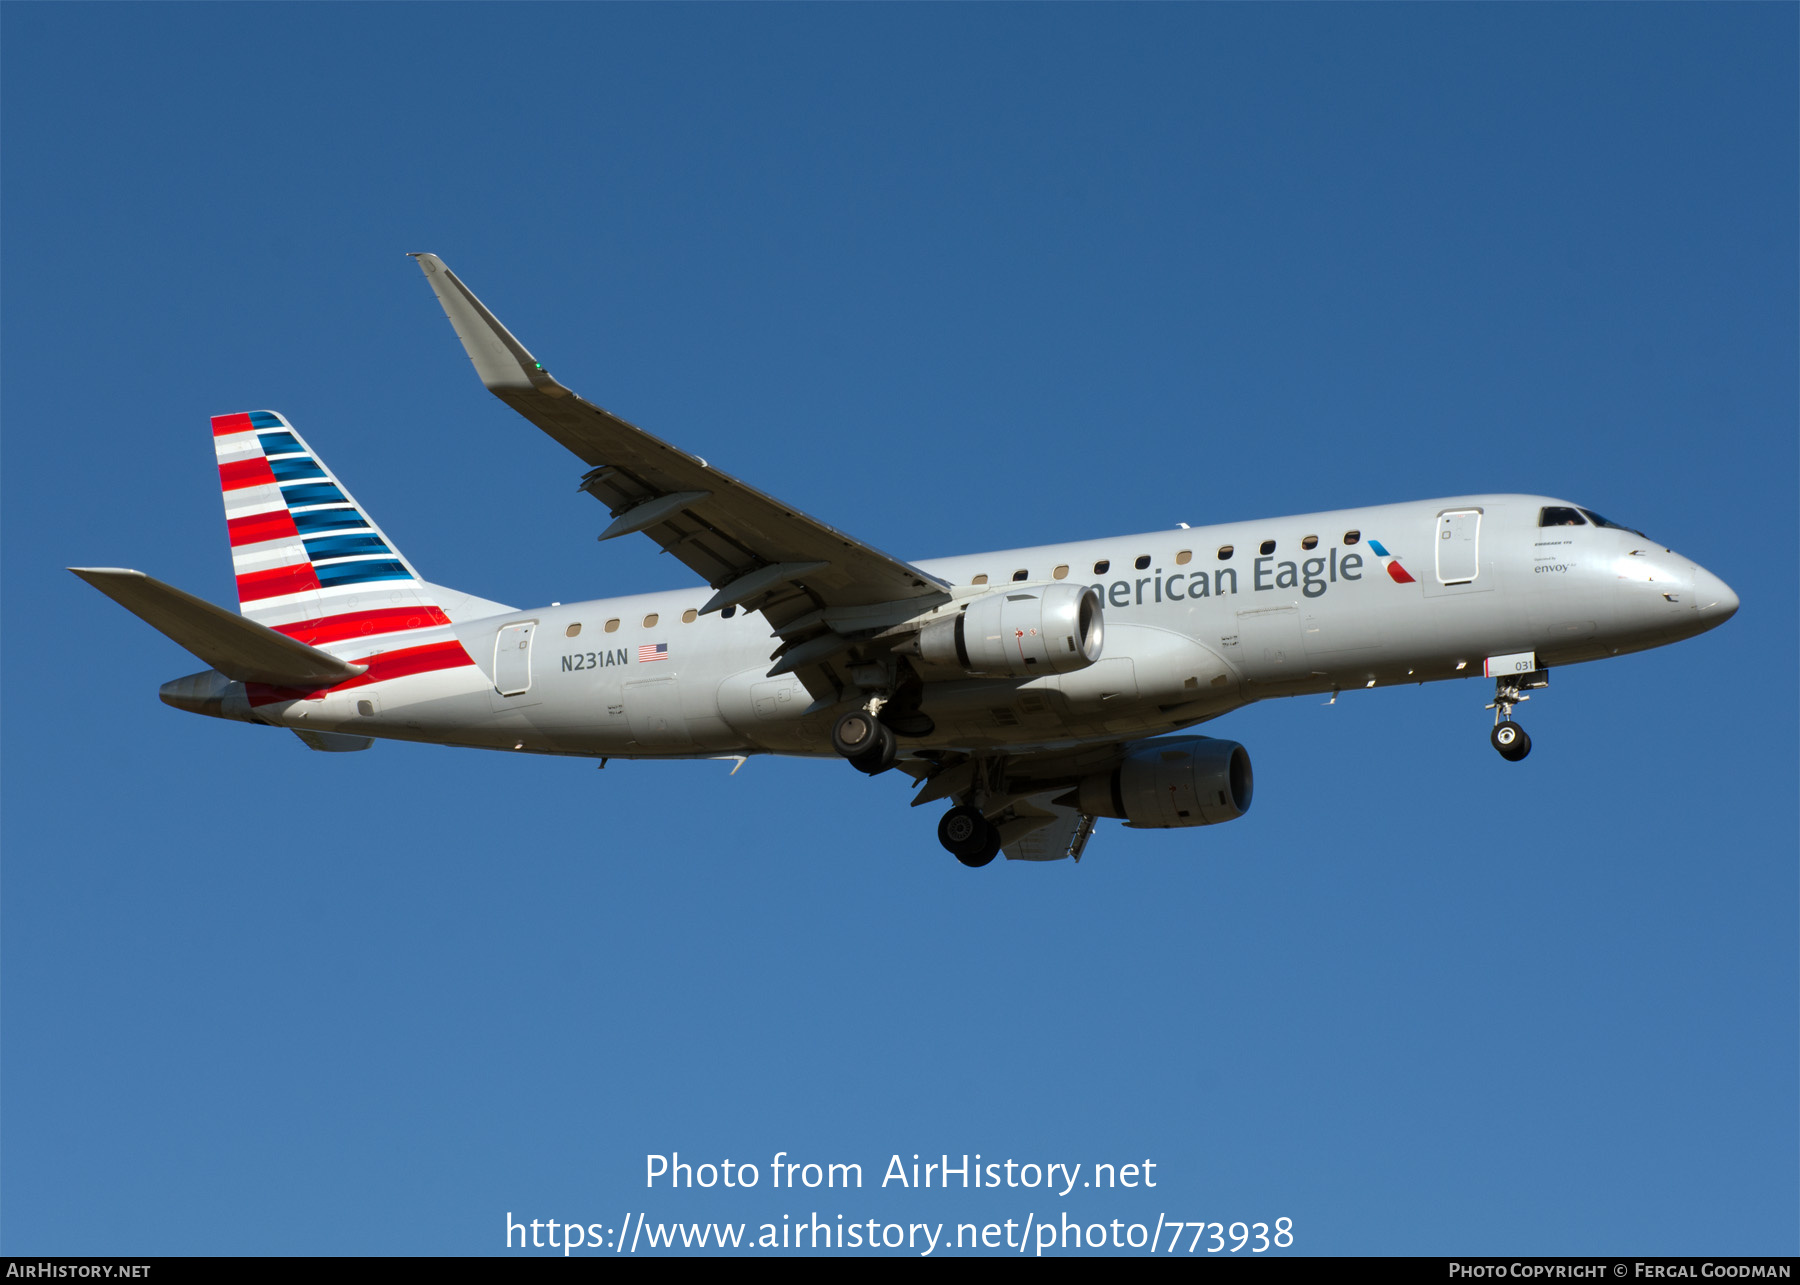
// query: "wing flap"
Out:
[1038,829]
[238,648]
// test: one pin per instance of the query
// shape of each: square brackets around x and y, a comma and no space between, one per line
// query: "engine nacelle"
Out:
[1171,781]
[1020,633]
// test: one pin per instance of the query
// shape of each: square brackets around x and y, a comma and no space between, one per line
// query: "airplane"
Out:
[1035,690]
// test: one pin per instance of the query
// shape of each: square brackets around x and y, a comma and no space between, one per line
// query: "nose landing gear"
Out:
[1508,737]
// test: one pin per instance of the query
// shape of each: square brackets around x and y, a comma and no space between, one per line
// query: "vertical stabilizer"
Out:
[310,562]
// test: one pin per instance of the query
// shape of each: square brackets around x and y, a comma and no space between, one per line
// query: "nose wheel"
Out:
[1508,738]
[968,836]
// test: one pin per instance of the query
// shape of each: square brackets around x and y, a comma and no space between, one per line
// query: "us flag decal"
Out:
[653,651]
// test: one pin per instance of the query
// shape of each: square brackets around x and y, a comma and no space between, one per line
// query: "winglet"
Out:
[503,363]
[240,649]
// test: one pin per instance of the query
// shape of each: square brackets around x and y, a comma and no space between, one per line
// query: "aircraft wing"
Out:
[757,552]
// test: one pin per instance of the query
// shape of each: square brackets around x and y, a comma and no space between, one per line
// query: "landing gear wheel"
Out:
[867,742]
[1510,739]
[880,756]
[855,733]
[968,837]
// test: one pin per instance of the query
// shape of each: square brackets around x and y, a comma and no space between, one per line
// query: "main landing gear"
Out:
[1508,737]
[868,740]
[969,836]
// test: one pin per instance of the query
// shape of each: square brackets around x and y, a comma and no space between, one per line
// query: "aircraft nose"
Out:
[1713,600]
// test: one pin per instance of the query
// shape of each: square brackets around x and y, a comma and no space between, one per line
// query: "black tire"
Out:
[989,852]
[855,734]
[967,836]
[880,755]
[1511,741]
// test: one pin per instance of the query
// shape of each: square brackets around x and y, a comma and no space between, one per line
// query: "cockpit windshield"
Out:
[1557,516]
[1597,520]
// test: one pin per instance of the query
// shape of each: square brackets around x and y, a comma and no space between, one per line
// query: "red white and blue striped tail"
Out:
[310,563]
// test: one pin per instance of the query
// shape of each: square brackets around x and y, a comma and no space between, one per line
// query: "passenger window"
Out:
[1018,575]
[1102,567]
[1560,517]
[1268,547]
[612,626]
[1225,552]
[1310,542]
[689,616]
[1184,557]
[650,621]
[980,579]
[573,629]
[1143,563]
[1351,537]
[1062,572]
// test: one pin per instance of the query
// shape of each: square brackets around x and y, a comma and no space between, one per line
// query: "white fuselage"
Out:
[1189,635]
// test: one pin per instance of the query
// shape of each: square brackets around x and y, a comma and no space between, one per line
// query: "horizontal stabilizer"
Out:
[238,648]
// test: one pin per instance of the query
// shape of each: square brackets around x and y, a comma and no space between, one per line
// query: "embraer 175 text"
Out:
[1029,688]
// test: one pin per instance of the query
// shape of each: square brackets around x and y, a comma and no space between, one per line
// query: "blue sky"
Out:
[951,278]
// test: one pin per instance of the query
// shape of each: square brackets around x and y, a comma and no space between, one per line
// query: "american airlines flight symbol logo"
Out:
[1396,572]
